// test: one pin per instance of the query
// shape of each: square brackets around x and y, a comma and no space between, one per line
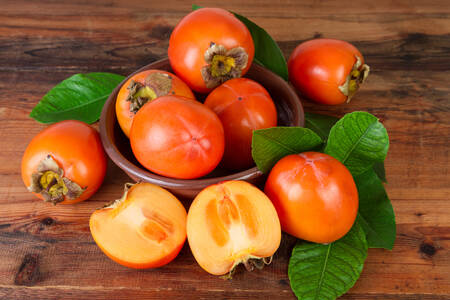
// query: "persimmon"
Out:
[146,228]
[315,196]
[230,223]
[177,137]
[65,163]
[327,71]
[242,105]
[143,87]
[208,47]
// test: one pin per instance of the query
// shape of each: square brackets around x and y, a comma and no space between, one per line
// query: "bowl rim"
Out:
[173,183]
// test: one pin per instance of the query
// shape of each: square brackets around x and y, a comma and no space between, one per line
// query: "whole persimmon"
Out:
[232,222]
[327,71]
[177,137]
[315,196]
[242,105]
[146,228]
[208,47]
[143,87]
[65,163]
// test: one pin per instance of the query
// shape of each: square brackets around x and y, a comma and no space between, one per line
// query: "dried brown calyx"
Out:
[223,64]
[49,181]
[354,80]
[250,263]
[155,85]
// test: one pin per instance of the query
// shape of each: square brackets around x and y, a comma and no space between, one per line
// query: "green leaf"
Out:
[358,140]
[267,52]
[320,124]
[272,144]
[378,167]
[375,212]
[321,272]
[79,97]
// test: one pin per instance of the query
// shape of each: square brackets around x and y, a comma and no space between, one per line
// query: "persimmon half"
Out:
[242,105]
[230,223]
[146,228]
[65,163]
[143,87]
[177,137]
[210,46]
[327,71]
[315,196]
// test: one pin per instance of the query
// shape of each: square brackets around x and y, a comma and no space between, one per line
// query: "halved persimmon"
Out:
[146,228]
[230,223]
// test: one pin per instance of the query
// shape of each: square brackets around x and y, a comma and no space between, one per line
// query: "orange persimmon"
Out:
[146,228]
[65,163]
[327,71]
[177,137]
[230,223]
[143,87]
[315,196]
[210,46]
[242,105]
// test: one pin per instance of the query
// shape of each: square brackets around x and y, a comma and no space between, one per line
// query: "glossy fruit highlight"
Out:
[143,87]
[242,106]
[230,223]
[65,163]
[177,137]
[315,196]
[144,229]
[327,71]
[210,46]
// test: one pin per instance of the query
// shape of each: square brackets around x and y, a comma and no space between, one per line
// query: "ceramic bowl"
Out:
[117,146]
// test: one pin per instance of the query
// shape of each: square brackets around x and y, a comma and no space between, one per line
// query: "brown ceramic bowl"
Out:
[117,145]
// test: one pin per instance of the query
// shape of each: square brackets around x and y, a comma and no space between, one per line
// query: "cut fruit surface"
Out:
[144,229]
[230,223]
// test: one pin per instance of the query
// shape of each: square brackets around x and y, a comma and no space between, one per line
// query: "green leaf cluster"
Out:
[79,97]
[361,143]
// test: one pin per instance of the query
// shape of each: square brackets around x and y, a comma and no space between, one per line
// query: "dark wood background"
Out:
[47,252]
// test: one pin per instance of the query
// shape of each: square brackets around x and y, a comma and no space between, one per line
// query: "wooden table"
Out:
[47,252]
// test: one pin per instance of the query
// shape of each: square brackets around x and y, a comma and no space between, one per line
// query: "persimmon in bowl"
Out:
[117,145]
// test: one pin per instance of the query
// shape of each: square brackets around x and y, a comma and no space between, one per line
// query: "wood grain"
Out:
[47,252]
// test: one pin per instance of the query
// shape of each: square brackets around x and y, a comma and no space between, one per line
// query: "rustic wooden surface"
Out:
[47,252]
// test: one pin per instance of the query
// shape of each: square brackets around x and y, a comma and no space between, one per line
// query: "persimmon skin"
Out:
[315,196]
[140,199]
[242,106]
[77,149]
[318,67]
[123,113]
[193,36]
[177,137]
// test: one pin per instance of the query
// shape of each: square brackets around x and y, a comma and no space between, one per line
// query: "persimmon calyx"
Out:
[49,181]
[357,76]
[250,262]
[223,64]
[155,85]
[115,203]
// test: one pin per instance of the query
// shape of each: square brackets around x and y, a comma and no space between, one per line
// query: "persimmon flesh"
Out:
[230,223]
[144,229]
